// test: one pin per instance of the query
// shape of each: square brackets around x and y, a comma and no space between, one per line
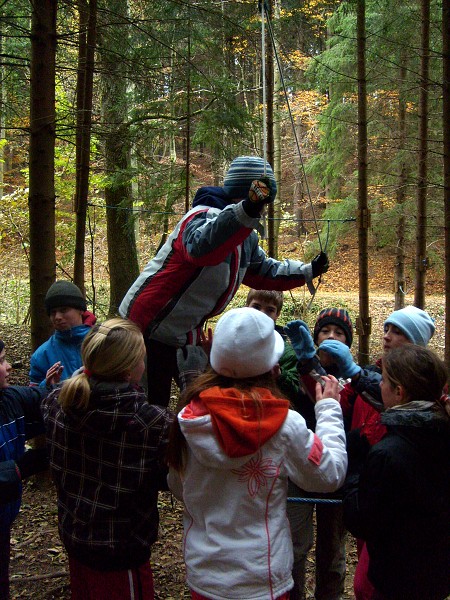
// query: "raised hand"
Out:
[319,264]
[301,339]
[342,357]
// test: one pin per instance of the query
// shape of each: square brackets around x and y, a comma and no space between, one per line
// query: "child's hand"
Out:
[342,356]
[191,362]
[206,341]
[53,375]
[261,191]
[329,390]
[301,340]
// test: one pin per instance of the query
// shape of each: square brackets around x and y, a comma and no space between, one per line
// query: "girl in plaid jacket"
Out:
[106,446]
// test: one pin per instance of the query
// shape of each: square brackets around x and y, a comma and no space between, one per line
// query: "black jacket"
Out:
[401,506]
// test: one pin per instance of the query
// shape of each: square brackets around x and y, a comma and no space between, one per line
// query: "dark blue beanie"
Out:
[242,171]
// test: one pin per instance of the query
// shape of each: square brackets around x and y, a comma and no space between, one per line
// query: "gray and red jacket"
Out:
[197,272]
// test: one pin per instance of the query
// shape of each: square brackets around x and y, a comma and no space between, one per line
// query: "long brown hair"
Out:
[176,450]
[420,372]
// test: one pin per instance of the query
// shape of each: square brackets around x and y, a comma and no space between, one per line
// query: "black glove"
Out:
[33,461]
[319,264]
[259,194]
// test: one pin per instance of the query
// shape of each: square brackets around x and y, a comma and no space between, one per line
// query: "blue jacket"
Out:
[20,420]
[62,345]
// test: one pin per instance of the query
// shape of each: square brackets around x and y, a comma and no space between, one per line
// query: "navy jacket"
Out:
[20,420]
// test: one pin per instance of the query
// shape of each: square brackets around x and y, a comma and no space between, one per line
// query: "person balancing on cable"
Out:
[212,250]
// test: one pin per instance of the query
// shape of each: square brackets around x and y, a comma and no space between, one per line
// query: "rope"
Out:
[315,500]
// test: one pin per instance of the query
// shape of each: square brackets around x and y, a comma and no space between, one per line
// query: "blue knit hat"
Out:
[242,171]
[413,322]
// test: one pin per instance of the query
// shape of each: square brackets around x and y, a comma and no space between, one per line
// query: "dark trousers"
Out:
[5,548]
[161,369]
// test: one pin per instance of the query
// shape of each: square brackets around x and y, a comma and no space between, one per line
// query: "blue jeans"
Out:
[330,546]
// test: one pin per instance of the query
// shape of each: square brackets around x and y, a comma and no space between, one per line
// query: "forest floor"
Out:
[39,567]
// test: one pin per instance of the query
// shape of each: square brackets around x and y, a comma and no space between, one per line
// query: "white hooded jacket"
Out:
[237,541]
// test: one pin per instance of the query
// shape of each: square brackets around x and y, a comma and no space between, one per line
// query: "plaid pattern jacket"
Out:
[107,464]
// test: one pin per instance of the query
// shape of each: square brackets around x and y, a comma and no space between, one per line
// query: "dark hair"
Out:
[420,372]
[176,451]
[274,296]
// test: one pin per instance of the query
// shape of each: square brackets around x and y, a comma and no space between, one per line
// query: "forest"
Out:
[113,114]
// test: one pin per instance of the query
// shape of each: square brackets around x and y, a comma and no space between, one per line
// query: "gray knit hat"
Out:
[64,293]
[242,171]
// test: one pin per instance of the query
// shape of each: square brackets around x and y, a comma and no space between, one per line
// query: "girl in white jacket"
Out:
[233,447]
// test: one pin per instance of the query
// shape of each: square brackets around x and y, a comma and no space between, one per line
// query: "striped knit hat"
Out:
[335,316]
[242,171]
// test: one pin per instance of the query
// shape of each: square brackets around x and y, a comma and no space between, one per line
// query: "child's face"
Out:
[393,337]
[392,395]
[64,318]
[329,332]
[5,370]
[268,308]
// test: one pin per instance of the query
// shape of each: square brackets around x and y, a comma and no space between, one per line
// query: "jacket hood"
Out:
[212,196]
[89,318]
[234,426]
[421,423]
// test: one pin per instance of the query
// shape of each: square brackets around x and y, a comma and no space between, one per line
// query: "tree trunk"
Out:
[270,150]
[122,254]
[2,116]
[41,198]
[187,197]
[277,168]
[399,270]
[299,187]
[364,321]
[421,232]
[446,128]
[86,55]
